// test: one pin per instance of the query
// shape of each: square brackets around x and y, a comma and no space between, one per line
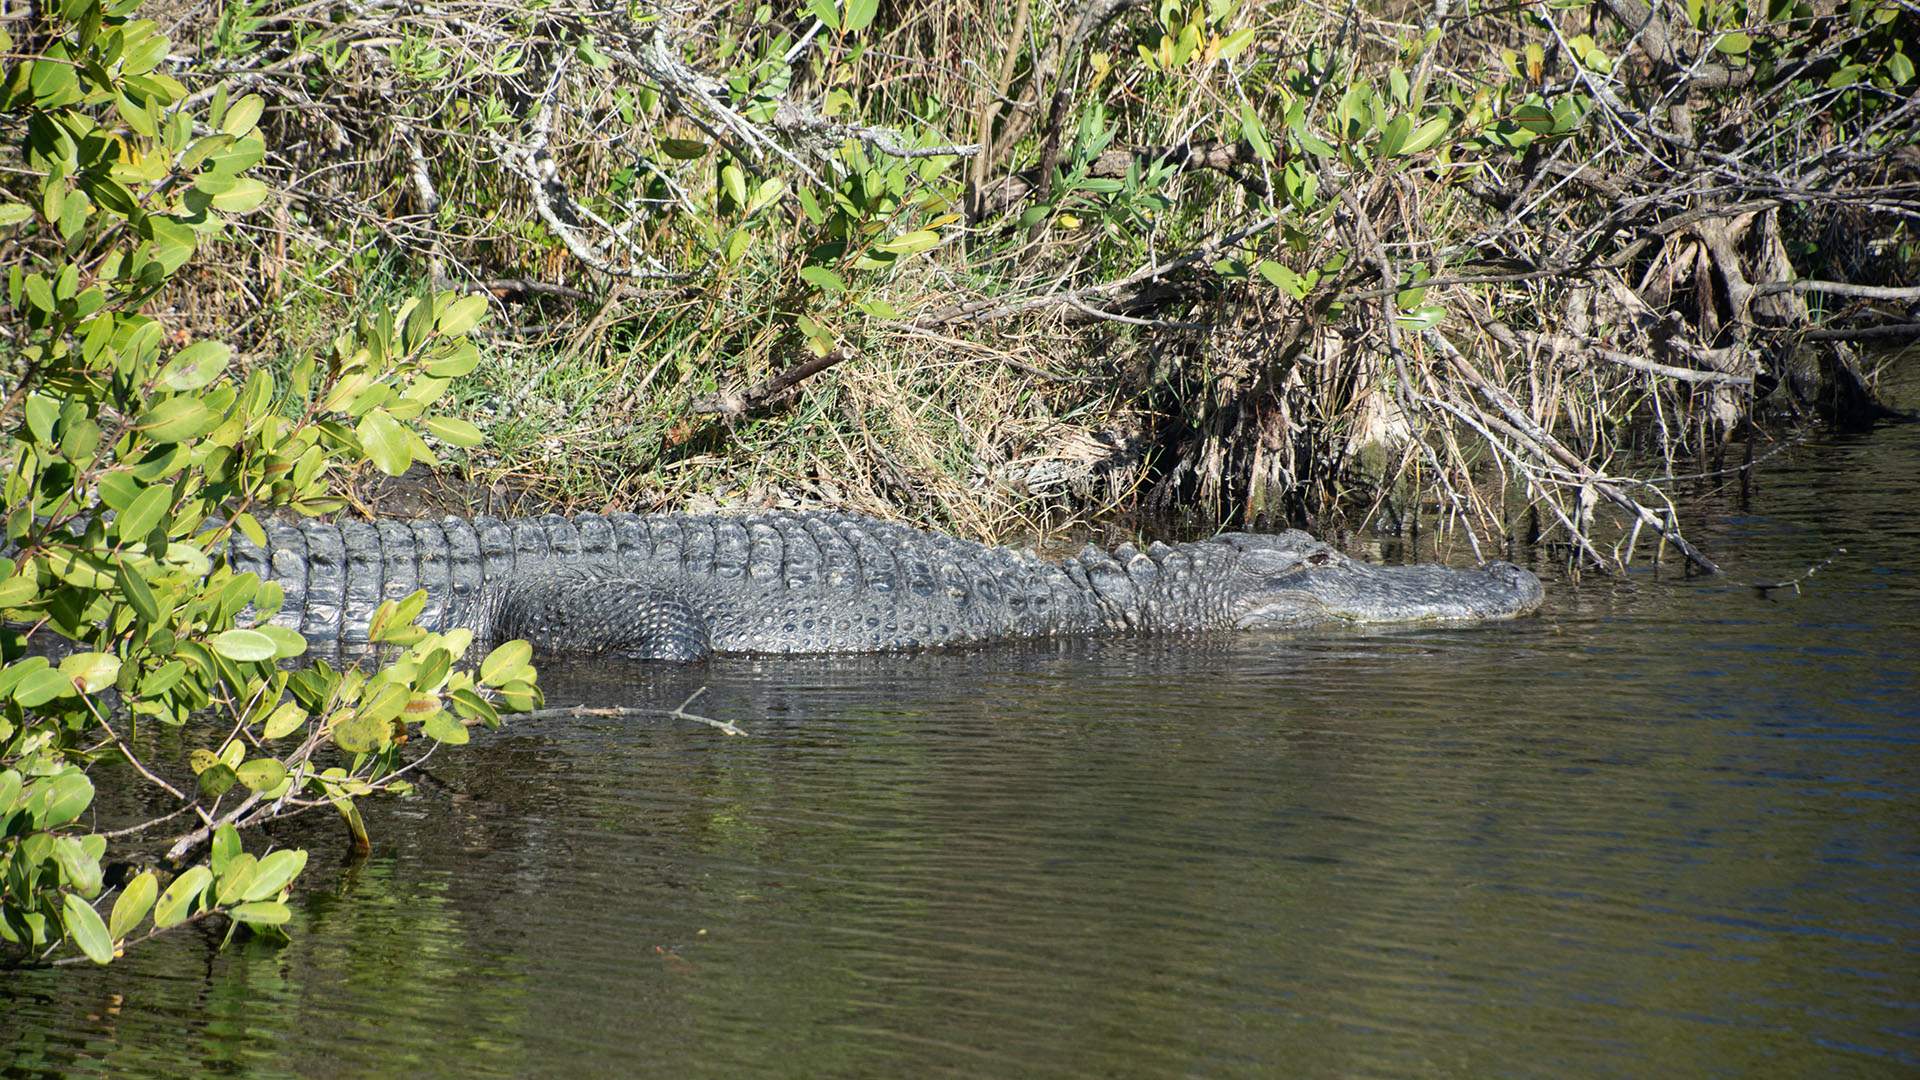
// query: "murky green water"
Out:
[1668,828]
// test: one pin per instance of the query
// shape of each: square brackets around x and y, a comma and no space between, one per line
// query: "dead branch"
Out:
[1836,288]
[768,391]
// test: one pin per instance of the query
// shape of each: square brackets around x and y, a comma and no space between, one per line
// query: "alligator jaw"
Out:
[1360,593]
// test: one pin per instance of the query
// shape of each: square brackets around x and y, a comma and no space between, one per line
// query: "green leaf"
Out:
[1254,133]
[287,643]
[520,696]
[1534,117]
[59,799]
[196,365]
[474,707]
[505,663]
[226,845]
[51,81]
[85,928]
[463,315]
[40,294]
[285,720]
[234,878]
[136,899]
[1284,277]
[261,913]
[162,679]
[249,527]
[86,569]
[1734,44]
[134,588]
[243,115]
[14,673]
[684,149]
[1235,43]
[385,442]
[79,867]
[768,191]
[385,703]
[261,774]
[176,419]
[17,590]
[823,279]
[217,781]
[177,902]
[453,359]
[173,243]
[359,734]
[910,243]
[1394,135]
[860,14]
[443,727]
[735,182]
[275,872]
[42,686]
[138,520]
[14,213]
[246,194]
[91,672]
[1310,142]
[1899,69]
[825,11]
[246,646]
[811,207]
[392,620]
[453,430]
[1424,318]
[43,412]
[1427,134]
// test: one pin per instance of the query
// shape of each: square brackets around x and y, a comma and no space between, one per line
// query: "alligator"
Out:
[683,587]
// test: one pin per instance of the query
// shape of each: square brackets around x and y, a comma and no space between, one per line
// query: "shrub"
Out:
[132,454]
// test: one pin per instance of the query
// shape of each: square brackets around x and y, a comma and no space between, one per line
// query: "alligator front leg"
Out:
[592,609]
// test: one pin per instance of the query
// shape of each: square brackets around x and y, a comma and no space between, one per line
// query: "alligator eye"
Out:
[1320,558]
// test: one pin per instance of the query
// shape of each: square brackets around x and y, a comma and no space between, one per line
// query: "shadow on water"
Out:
[1666,827]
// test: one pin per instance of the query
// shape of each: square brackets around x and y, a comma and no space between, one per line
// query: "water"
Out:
[1668,827]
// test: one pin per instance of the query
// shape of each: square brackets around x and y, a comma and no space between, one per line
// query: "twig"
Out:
[132,758]
[1765,587]
[679,713]
[1581,344]
[1895,332]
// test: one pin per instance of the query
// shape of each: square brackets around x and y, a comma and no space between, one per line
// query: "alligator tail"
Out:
[336,574]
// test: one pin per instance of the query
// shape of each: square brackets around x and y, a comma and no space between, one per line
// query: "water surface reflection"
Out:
[1668,827]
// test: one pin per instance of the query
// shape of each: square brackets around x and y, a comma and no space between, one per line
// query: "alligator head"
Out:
[1291,579]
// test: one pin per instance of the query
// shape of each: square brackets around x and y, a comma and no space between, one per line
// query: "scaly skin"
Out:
[680,587]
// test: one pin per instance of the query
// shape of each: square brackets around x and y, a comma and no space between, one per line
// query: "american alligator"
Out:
[680,587]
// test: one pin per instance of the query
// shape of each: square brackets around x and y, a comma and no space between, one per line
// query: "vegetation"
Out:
[133,453]
[989,265]
[983,266]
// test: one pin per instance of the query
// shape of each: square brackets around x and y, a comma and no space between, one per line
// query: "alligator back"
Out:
[782,582]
